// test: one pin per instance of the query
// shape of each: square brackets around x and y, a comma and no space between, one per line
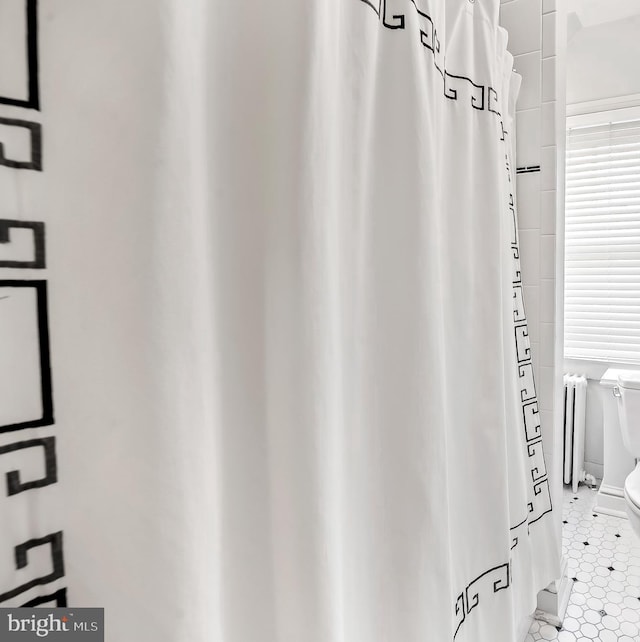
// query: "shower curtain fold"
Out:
[292,369]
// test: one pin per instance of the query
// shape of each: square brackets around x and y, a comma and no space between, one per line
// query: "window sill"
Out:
[593,369]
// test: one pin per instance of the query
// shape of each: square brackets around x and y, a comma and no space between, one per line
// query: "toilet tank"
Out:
[628,393]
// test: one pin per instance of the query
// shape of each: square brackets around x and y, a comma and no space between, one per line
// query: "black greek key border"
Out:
[35,133]
[497,578]
[46,388]
[33,90]
[39,252]
[54,541]
[482,97]
[14,484]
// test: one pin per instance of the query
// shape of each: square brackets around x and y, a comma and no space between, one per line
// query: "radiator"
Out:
[575,404]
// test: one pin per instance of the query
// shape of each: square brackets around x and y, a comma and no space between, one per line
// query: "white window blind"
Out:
[602,248]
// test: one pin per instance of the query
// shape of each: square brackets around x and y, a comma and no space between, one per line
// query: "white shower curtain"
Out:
[293,392]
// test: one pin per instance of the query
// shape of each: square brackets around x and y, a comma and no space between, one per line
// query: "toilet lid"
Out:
[632,486]
[629,379]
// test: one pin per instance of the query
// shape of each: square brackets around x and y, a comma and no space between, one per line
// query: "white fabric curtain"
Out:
[293,391]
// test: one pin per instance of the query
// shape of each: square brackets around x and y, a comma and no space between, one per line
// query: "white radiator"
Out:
[575,404]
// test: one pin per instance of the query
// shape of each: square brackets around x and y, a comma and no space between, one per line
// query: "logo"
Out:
[52,625]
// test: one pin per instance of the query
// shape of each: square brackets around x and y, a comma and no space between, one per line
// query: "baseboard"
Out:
[610,501]
[553,600]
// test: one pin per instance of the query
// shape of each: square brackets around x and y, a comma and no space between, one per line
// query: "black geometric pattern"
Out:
[527,383]
[35,146]
[39,260]
[536,455]
[397,14]
[540,505]
[14,484]
[54,541]
[20,485]
[518,531]
[531,418]
[46,419]
[523,345]
[32,100]
[516,276]
[518,305]
[492,581]
[17,485]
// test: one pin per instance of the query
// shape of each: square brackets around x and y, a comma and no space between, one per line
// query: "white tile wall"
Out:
[528,147]
[548,6]
[547,300]
[547,256]
[548,212]
[549,123]
[548,35]
[529,66]
[546,421]
[532,308]
[530,256]
[545,389]
[549,78]
[522,19]
[548,168]
[528,200]
[546,342]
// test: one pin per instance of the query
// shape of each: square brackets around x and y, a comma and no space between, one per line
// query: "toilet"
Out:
[628,393]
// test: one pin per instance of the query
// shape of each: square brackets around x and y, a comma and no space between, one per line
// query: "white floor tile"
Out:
[604,561]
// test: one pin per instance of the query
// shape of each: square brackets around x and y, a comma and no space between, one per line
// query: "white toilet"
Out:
[628,393]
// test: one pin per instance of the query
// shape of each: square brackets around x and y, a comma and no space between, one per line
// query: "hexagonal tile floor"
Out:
[604,561]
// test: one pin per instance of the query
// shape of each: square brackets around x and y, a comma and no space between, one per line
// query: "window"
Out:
[602,246]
